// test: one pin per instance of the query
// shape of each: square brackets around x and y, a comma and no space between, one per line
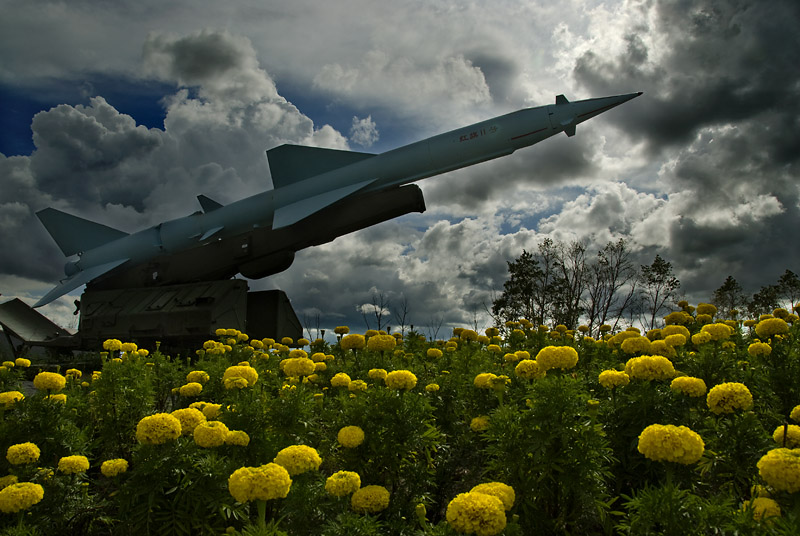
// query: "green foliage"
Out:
[566,444]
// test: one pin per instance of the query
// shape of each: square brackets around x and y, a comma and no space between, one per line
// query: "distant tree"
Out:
[610,286]
[401,315]
[729,297]
[789,288]
[658,287]
[766,300]
[568,302]
[549,285]
[517,299]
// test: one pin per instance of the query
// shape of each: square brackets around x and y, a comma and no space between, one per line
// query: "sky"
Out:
[123,112]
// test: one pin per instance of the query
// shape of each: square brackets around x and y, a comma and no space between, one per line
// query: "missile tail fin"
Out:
[208,204]
[73,234]
[293,163]
[76,280]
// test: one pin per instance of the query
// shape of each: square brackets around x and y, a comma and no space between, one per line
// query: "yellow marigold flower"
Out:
[479,423]
[613,378]
[701,337]
[478,513]
[238,438]
[728,397]
[350,436]
[650,367]
[298,459]
[377,374]
[112,345]
[197,376]
[771,326]
[353,341]
[210,434]
[370,499]
[703,319]
[401,379]
[678,318]
[342,483]
[20,496]
[340,380]
[112,468]
[297,352]
[780,468]
[494,348]
[689,386]
[341,330]
[72,465]
[381,343]
[653,334]
[235,383]
[759,349]
[23,453]
[189,419]
[795,414]
[191,389]
[210,411]
[49,381]
[551,357]
[23,363]
[675,339]
[484,380]
[529,369]
[661,348]
[270,481]
[129,347]
[158,429]
[780,312]
[763,508]
[73,373]
[298,366]
[665,442]
[668,331]
[433,353]
[357,385]
[432,387]
[635,345]
[504,492]
[788,437]
[238,371]
[468,335]
[9,364]
[718,332]
[9,398]
[7,480]
[60,398]
[706,309]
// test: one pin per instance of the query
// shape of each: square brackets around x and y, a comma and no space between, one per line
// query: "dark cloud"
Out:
[725,62]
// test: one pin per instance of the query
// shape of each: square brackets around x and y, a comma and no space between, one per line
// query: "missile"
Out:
[318,195]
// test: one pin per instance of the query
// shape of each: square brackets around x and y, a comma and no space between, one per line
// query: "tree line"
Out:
[558,283]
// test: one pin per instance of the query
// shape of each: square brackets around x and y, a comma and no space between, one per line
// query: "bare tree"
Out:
[658,287]
[434,325]
[401,314]
[611,282]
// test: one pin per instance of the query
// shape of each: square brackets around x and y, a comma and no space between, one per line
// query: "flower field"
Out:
[689,429]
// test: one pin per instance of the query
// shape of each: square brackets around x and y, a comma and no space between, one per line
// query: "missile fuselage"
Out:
[272,225]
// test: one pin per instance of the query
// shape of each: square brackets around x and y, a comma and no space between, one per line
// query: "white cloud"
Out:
[364,132]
